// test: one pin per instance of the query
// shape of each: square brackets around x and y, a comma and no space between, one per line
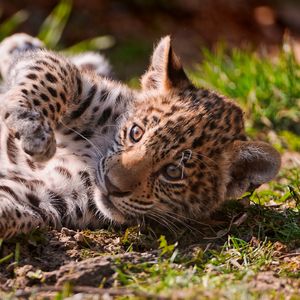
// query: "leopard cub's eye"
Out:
[173,172]
[136,133]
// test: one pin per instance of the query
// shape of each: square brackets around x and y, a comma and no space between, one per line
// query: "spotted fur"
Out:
[78,149]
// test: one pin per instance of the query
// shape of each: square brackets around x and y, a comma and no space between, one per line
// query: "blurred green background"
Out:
[248,50]
[135,25]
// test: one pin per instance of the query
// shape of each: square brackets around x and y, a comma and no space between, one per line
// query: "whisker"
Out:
[183,223]
[208,158]
[178,217]
[180,221]
[160,221]
[164,222]
[98,151]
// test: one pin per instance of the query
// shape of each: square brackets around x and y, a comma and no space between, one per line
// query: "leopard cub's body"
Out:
[77,148]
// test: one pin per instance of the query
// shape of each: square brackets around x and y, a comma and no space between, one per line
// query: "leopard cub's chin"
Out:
[110,211]
[105,203]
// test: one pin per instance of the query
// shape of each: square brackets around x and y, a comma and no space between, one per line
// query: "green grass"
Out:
[268,90]
[8,26]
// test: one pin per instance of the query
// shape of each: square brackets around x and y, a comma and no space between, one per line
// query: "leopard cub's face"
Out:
[180,151]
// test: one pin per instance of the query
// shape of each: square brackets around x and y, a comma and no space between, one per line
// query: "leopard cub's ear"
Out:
[165,70]
[251,165]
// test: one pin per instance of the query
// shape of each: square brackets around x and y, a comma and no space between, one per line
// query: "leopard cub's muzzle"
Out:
[114,190]
[122,180]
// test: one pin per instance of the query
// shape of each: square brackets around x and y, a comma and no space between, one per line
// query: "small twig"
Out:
[223,232]
[289,255]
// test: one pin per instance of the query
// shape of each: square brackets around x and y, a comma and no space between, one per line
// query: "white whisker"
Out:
[98,151]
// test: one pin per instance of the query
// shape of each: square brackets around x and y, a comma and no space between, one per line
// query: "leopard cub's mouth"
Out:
[108,203]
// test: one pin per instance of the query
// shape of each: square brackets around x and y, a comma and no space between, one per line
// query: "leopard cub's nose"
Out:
[114,190]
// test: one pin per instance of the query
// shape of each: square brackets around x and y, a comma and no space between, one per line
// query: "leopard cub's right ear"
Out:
[251,165]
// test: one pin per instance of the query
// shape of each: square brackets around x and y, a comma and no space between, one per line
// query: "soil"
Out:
[53,258]
[44,262]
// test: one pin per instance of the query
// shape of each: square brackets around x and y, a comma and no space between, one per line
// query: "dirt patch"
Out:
[56,257]
[290,159]
[88,272]
[270,280]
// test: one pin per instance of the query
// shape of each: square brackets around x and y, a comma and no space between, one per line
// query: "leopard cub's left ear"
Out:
[251,165]
[165,71]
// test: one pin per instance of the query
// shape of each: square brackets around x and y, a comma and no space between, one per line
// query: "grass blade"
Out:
[98,43]
[52,28]
[6,258]
[9,25]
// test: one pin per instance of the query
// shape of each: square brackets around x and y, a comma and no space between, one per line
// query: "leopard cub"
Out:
[78,149]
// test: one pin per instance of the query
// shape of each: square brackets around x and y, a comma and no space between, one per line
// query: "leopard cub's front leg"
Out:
[30,126]
[40,86]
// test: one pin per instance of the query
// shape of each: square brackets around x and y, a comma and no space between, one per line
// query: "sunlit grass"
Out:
[268,90]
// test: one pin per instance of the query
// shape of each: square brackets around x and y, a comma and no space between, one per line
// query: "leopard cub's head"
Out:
[180,151]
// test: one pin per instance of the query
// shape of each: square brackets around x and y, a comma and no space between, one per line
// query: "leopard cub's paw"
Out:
[35,133]
[39,142]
